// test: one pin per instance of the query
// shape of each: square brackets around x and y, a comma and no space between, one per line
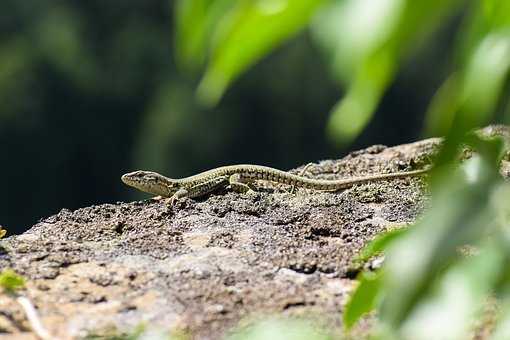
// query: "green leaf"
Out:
[458,216]
[470,96]
[250,31]
[379,243]
[502,329]
[353,112]
[440,115]
[497,13]
[195,21]
[365,41]
[10,281]
[457,298]
[499,204]
[486,72]
[364,299]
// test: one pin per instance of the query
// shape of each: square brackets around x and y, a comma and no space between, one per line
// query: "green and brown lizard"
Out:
[239,178]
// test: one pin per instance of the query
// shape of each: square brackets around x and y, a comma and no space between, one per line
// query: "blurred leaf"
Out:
[355,36]
[484,17]
[506,115]
[2,232]
[448,313]
[10,281]
[499,203]
[458,216]
[364,299]
[502,330]
[365,40]
[350,116]
[380,242]
[195,22]
[420,19]
[436,283]
[440,116]
[246,34]
[497,13]
[483,61]
[352,31]
[190,17]
[485,75]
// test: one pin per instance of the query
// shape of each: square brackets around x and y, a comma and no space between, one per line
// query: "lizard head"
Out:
[151,182]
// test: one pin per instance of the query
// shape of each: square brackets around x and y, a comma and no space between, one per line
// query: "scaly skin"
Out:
[239,177]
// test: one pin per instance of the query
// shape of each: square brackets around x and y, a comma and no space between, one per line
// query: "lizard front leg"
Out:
[181,193]
[200,189]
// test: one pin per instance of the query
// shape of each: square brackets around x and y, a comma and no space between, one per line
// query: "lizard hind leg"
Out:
[301,174]
[239,184]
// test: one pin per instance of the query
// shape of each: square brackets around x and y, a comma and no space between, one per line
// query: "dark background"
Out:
[90,90]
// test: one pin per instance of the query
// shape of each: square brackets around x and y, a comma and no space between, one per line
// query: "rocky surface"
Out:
[204,265]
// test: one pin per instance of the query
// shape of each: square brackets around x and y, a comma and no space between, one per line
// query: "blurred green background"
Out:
[92,89]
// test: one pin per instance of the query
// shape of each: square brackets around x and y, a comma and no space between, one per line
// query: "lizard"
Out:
[239,178]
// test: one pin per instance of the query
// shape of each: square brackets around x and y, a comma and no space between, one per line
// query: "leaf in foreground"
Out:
[364,299]
[249,32]
[379,243]
[10,281]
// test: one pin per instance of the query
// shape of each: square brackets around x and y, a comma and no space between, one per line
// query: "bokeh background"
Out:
[92,89]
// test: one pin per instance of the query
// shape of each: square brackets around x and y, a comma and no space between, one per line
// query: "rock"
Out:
[206,264]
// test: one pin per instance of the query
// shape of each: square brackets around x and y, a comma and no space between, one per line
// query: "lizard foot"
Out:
[175,198]
[170,201]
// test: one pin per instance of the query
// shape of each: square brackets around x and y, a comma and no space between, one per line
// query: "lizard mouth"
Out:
[135,182]
[128,178]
